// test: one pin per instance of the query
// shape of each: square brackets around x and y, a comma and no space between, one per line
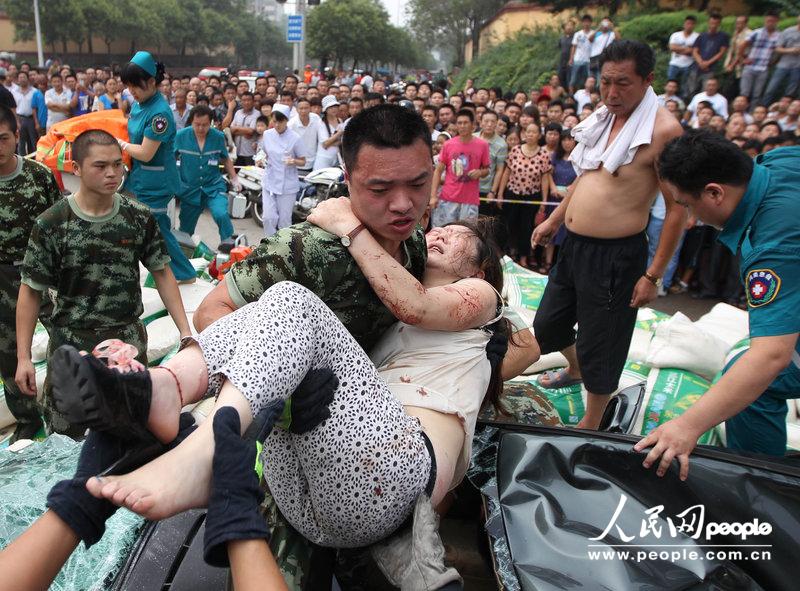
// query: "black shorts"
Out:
[592,284]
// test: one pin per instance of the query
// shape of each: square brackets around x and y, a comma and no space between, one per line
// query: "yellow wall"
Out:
[515,17]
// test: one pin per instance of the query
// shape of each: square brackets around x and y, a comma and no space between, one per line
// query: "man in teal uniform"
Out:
[757,207]
[201,150]
[154,178]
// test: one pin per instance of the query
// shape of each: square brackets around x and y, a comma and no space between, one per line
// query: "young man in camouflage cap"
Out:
[87,247]
[27,189]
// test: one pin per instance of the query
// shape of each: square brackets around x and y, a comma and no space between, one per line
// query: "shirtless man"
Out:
[601,276]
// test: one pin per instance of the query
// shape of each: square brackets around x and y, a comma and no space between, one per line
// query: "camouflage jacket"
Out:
[316,259]
[92,262]
[24,195]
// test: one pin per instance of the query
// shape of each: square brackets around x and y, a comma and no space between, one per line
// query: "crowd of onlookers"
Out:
[743,86]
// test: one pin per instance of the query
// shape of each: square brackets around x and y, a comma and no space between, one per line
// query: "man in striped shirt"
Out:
[760,45]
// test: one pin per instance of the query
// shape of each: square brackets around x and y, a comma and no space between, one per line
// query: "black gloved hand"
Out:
[69,499]
[235,494]
[308,405]
[496,349]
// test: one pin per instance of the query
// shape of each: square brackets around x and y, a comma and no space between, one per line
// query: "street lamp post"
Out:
[38,33]
[299,48]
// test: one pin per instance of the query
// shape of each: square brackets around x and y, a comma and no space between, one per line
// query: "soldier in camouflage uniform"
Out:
[319,261]
[92,263]
[26,190]
[310,256]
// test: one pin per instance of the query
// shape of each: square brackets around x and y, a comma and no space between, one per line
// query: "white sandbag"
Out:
[793,416]
[793,436]
[6,418]
[39,345]
[143,273]
[679,343]
[545,362]
[200,264]
[727,323]
[640,344]
[202,409]
[41,374]
[152,303]
[162,336]
[194,293]
[526,315]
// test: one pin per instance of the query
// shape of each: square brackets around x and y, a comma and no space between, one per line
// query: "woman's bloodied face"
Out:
[453,250]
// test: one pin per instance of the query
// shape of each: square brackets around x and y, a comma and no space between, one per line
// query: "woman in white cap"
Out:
[279,186]
[329,136]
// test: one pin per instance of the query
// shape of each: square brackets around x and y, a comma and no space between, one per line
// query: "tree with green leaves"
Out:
[340,30]
[60,21]
[449,24]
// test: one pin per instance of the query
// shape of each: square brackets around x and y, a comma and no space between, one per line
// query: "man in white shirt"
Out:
[580,54]
[712,96]
[601,38]
[243,129]
[671,94]
[305,124]
[180,110]
[26,113]
[584,96]
[681,44]
[57,100]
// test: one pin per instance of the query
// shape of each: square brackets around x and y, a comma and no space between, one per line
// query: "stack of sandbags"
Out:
[153,306]
[193,294]
[162,333]
[683,344]
[162,336]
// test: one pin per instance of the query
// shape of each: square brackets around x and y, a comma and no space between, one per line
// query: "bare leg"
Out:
[190,369]
[34,559]
[595,406]
[178,480]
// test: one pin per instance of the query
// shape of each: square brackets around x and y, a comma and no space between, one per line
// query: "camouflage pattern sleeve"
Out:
[417,252]
[154,255]
[301,253]
[39,268]
[24,195]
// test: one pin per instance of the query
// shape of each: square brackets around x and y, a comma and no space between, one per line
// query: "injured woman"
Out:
[400,421]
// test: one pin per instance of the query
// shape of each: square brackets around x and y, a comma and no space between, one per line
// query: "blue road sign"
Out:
[294,28]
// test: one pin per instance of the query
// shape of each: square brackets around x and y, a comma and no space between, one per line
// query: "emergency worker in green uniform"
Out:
[87,248]
[756,206]
[27,189]
[201,150]
[154,178]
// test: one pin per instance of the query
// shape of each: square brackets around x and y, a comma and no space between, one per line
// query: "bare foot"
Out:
[172,483]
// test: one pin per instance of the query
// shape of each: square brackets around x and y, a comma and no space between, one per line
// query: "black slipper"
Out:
[91,395]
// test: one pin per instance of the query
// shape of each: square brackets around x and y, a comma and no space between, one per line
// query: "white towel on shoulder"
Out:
[592,136]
